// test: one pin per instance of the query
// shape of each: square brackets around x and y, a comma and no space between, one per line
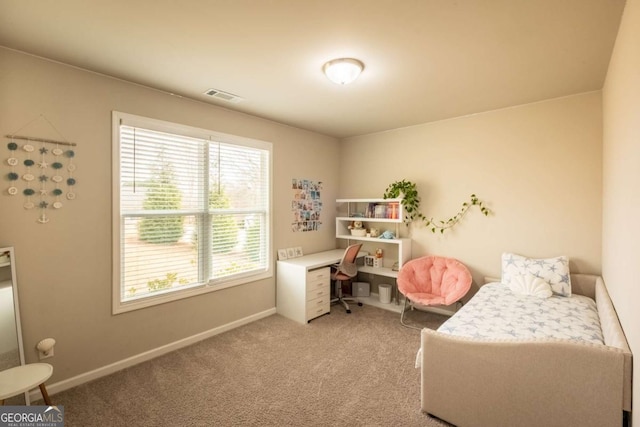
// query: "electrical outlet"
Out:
[43,355]
[45,348]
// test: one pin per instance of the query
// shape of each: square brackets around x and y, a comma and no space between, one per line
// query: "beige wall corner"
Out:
[621,175]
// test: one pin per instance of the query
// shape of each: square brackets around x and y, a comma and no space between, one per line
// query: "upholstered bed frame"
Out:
[541,382]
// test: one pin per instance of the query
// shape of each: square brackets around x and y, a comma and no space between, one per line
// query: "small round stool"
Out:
[23,378]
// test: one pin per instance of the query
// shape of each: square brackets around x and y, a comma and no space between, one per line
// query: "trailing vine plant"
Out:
[411,204]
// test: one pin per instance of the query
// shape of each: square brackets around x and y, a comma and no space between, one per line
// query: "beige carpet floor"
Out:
[340,370]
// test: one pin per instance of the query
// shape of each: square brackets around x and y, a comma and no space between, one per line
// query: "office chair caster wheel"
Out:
[359,304]
[348,311]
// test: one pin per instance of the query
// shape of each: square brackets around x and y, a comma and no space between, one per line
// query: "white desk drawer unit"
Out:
[303,285]
[317,290]
[318,293]
[318,307]
[320,274]
[318,280]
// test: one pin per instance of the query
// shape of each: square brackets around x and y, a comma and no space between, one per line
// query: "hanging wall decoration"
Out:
[42,171]
[306,205]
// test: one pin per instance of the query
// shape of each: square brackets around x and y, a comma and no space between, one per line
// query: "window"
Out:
[191,211]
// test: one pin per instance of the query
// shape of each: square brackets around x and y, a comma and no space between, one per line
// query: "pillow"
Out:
[554,271]
[530,285]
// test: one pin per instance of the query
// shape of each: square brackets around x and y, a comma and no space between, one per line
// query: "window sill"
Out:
[124,307]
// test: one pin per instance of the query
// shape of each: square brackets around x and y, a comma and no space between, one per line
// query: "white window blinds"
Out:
[193,209]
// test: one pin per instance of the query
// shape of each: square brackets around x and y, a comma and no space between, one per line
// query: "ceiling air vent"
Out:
[225,96]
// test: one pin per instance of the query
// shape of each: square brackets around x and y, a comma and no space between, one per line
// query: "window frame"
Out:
[119,306]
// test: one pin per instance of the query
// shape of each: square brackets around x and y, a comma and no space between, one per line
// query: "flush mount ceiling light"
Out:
[343,71]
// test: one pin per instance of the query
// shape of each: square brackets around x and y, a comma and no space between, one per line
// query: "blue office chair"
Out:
[346,269]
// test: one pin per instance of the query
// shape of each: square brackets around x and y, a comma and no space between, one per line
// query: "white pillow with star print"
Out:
[554,271]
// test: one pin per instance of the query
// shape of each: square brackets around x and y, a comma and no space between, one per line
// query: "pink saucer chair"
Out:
[432,280]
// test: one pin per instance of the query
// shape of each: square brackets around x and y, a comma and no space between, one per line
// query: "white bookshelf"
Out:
[394,250]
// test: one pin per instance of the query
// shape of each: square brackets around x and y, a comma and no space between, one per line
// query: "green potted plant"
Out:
[410,199]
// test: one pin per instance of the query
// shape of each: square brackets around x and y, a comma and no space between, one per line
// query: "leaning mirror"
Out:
[11,351]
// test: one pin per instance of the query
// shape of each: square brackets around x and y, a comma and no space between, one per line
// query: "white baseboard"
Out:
[147,355]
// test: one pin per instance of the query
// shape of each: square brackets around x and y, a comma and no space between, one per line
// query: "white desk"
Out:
[378,271]
[318,260]
[303,284]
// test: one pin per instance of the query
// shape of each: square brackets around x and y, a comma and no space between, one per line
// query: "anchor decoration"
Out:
[43,219]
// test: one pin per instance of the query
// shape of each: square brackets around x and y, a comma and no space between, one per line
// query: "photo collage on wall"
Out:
[306,205]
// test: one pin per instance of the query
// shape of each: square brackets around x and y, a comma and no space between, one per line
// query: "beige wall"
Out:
[621,178]
[537,167]
[64,267]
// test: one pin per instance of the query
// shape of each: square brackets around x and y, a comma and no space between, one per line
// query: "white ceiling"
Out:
[425,60]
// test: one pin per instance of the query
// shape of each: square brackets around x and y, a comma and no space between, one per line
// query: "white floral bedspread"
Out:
[496,312]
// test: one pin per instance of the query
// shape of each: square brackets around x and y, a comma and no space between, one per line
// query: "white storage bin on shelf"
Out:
[377,215]
[360,289]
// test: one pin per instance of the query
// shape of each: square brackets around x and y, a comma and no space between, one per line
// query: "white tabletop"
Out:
[319,259]
[23,378]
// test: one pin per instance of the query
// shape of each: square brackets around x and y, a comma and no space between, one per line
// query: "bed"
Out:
[515,370]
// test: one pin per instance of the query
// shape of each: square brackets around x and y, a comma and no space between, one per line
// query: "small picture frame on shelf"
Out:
[298,251]
[291,253]
[282,254]
[368,260]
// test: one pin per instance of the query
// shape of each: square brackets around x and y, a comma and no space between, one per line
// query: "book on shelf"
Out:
[388,210]
[394,208]
[371,209]
[380,211]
